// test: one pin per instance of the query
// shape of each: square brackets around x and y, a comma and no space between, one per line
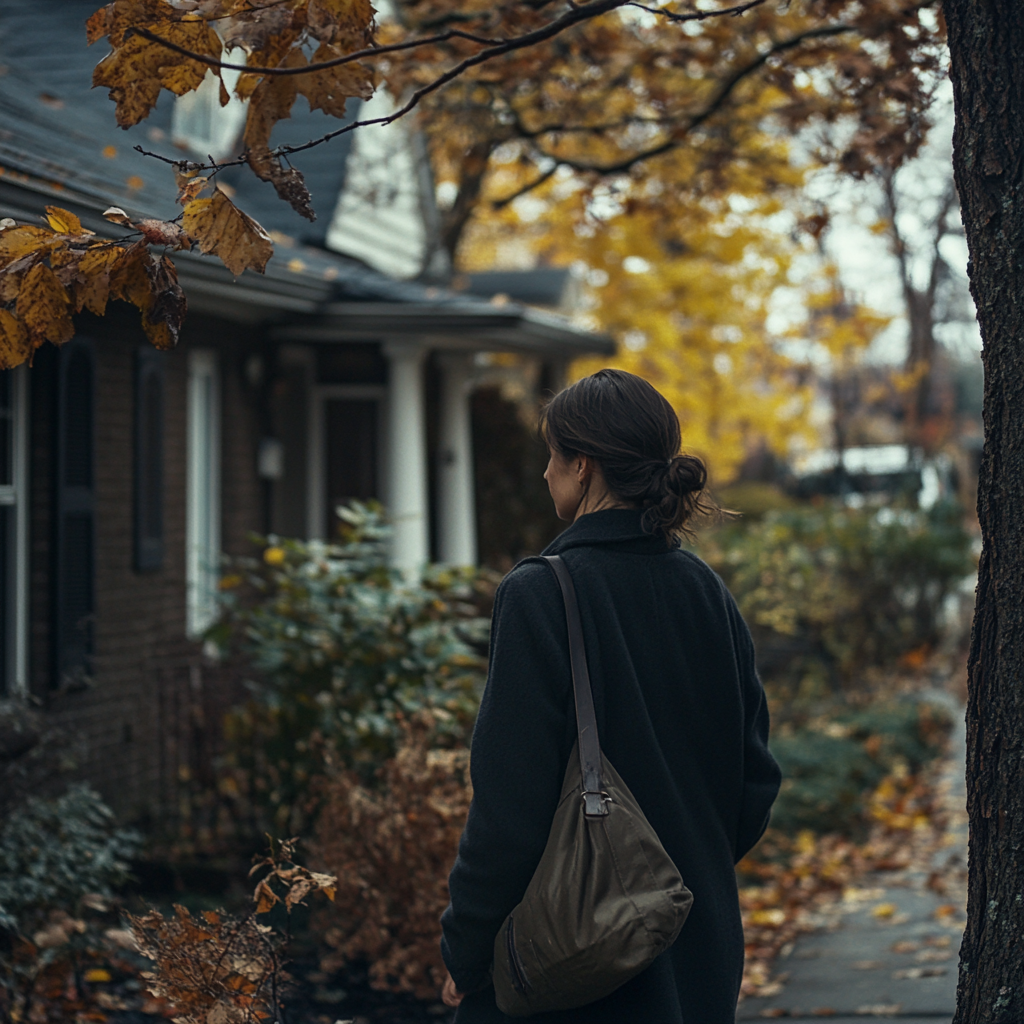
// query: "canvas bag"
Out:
[606,898]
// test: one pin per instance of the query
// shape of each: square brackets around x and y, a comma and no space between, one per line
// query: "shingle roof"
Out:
[59,143]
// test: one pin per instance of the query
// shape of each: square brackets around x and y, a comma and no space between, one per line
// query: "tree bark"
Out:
[986,39]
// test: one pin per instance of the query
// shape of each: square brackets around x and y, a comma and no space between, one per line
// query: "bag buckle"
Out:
[595,805]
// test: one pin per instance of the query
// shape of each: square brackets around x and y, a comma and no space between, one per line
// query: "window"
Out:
[201,124]
[149,459]
[73,562]
[13,531]
[203,510]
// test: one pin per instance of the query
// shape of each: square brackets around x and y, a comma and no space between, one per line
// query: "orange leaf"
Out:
[43,306]
[220,228]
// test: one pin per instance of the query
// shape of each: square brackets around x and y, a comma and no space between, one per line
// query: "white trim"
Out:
[15,496]
[203,512]
[316,474]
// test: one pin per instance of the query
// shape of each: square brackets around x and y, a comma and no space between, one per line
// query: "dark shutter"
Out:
[74,515]
[149,459]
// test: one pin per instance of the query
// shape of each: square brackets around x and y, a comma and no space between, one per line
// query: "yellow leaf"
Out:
[768,918]
[20,241]
[15,346]
[43,306]
[63,221]
[329,89]
[189,188]
[110,152]
[884,910]
[133,181]
[97,976]
[220,228]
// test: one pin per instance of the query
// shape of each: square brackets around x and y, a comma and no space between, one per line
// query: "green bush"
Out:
[54,853]
[344,648]
[830,591]
[831,765]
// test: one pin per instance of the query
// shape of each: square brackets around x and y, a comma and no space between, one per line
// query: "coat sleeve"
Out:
[517,762]
[761,774]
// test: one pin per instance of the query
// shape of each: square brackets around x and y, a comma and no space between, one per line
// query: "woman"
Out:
[681,713]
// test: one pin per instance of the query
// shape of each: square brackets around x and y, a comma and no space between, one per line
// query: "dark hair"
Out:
[631,431]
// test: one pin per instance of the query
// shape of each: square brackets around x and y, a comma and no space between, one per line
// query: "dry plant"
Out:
[220,968]
[392,847]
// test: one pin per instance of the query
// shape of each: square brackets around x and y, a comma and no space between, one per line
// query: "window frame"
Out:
[14,681]
[149,460]
[203,492]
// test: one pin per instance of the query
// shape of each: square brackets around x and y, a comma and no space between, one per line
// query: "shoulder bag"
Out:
[606,898]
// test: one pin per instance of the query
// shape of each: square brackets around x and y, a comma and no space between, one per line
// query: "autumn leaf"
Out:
[137,69]
[20,241]
[11,275]
[117,216]
[164,232]
[341,21]
[220,228]
[43,306]
[328,90]
[65,223]
[94,270]
[15,346]
[189,187]
[163,317]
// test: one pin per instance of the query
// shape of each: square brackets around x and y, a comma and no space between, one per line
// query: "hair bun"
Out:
[684,475]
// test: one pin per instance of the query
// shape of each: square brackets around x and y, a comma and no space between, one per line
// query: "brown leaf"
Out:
[264,897]
[118,216]
[11,275]
[253,30]
[288,182]
[189,188]
[43,306]
[328,90]
[272,102]
[297,891]
[20,241]
[136,69]
[164,232]
[165,314]
[219,227]
[94,271]
[15,346]
[341,21]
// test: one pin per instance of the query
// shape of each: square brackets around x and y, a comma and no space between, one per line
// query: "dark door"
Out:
[352,445]
[74,515]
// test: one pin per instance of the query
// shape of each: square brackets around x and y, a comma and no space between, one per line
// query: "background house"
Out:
[345,372]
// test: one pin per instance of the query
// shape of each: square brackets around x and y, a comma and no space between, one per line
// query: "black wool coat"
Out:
[681,715]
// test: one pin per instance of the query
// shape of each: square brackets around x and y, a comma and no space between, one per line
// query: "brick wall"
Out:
[145,721]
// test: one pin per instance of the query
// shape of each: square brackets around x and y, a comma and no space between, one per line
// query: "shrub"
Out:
[343,646]
[831,591]
[830,766]
[392,847]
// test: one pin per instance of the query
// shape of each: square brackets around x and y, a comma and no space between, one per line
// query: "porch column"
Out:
[456,496]
[407,456]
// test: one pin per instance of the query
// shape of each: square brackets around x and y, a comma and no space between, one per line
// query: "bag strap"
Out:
[594,797]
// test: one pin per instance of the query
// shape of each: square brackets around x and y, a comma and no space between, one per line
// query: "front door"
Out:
[353,443]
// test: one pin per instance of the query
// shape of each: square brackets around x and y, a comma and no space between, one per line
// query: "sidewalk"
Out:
[890,947]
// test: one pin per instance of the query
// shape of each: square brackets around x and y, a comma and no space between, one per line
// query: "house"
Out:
[344,372]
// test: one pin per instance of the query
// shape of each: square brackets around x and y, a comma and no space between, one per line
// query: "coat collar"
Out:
[619,526]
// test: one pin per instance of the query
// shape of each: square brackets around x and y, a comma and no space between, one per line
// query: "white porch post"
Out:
[456,496]
[407,456]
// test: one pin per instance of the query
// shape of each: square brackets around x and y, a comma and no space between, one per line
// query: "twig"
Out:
[697,15]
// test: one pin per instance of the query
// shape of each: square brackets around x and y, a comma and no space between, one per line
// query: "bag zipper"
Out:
[519,982]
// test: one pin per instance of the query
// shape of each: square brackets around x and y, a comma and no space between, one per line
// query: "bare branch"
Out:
[823,31]
[697,15]
[499,204]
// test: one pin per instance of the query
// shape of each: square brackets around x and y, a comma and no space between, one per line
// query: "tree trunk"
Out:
[986,39]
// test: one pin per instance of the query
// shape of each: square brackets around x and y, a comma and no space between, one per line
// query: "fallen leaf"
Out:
[110,152]
[43,306]
[97,976]
[220,228]
[884,910]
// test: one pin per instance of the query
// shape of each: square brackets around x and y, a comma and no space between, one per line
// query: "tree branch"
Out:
[709,111]
[697,15]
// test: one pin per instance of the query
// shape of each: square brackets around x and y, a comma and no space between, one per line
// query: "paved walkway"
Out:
[890,948]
